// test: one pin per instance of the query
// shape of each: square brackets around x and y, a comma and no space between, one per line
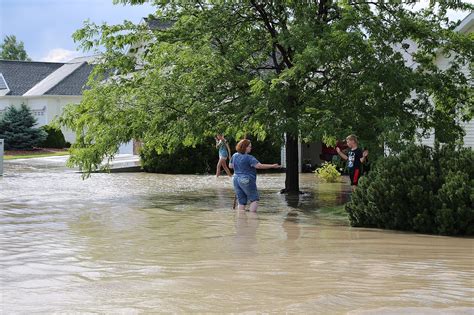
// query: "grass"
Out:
[29,156]
[337,212]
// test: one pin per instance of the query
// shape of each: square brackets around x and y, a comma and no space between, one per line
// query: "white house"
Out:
[466,27]
[311,152]
[46,87]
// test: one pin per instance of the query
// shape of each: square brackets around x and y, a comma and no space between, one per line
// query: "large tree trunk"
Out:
[292,183]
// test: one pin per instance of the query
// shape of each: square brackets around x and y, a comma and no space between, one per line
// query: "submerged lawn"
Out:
[335,213]
[28,154]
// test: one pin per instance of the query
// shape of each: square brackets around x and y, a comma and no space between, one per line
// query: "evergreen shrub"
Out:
[420,189]
[18,131]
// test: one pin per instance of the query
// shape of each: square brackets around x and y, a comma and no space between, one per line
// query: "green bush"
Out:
[422,189]
[328,172]
[55,138]
[16,128]
[184,160]
[202,159]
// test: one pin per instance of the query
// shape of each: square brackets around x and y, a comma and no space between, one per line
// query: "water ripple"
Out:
[134,243]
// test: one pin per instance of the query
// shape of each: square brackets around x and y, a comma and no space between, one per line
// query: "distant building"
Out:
[466,27]
[46,87]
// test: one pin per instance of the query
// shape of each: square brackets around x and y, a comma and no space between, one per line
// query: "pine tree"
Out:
[17,129]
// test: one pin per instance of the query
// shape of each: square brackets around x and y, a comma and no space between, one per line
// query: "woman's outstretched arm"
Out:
[261,166]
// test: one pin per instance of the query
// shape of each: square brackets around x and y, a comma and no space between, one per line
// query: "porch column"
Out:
[1,157]
[300,163]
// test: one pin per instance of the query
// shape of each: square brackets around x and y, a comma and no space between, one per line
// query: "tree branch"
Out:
[273,33]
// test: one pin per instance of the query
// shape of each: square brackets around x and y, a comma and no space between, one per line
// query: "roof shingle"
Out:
[23,76]
[74,83]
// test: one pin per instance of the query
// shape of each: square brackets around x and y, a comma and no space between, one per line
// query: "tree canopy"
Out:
[316,70]
[13,50]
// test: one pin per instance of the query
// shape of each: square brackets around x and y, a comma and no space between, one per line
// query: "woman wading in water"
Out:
[224,153]
[245,175]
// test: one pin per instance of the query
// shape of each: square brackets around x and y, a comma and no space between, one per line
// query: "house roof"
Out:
[157,24]
[23,75]
[32,78]
[3,83]
[89,59]
[3,86]
[466,23]
[74,83]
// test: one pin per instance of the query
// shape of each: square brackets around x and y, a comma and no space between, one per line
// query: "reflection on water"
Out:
[245,238]
[131,243]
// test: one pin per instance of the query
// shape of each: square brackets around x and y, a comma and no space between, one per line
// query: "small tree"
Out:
[13,50]
[54,139]
[17,129]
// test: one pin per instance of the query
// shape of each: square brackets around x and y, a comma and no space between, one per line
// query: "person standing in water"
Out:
[355,157]
[224,153]
[245,175]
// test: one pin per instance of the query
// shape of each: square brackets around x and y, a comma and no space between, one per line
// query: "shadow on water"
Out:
[318,202]
[291,226]
[215,197]
[203,200]
[245,238]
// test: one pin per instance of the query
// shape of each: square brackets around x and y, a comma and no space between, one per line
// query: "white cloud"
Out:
[60,55]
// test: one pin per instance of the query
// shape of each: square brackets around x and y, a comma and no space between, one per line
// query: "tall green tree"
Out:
[17,127]
[13,50]
[311,69]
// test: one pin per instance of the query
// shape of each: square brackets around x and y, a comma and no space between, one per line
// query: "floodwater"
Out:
[128,243]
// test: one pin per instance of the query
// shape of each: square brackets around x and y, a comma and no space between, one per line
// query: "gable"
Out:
[29,78]
[21,76]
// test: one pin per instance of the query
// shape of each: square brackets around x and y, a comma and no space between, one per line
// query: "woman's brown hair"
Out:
[241,147]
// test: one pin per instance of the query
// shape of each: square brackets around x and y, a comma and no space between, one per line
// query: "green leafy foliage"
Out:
[13,50]
[183,160]
[54,139]
[328,172]
[421,190]
[316,69]
[201,159]
[17,129]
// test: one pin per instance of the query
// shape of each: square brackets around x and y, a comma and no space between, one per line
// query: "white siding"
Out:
[126,148]
[44,108]
[469,137]
[56,107]
[428,140]
[38,107]
[47,108]
[283,156]
[443,63]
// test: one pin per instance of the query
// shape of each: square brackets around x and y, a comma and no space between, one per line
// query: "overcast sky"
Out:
[46,26]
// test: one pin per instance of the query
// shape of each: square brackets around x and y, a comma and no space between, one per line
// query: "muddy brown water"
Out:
[133,243]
